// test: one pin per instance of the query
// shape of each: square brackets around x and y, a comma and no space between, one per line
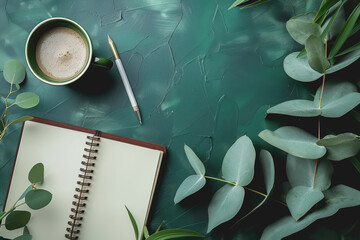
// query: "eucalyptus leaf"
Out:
[338,98]
[38,198]
[21,119]
[294,141]
[315,49]
[27,100]
[17,219]
[268,169]
[301,27]
[14,72]
[189,186]
[194,160]
[344,61]
[299,68]
[298,107]
[36,174]
[345,31]
[300,172]
[333,25]
[341,146]
[28,189]
[239,161]
[336,198]
[24,237]
[301,199]
[224,205]
[174,233]
[133,222]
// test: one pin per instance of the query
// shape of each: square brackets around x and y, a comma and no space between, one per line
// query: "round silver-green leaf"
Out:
[301,199]
[14,72]
[294,141]
[341,146]
[315,49]
[27,100]
[189,186]
[194,160]
[300,172]
[239,161]
[301,27]
[299,68]
[224,205]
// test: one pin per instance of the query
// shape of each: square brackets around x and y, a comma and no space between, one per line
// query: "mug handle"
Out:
[102,62]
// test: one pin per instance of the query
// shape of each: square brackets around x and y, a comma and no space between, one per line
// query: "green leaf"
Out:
[26,231]
[133,222]
[24,237]
[298,107]
[17,219]
[345,31]
[338,98]
[36,174]
[299,68]
[349,50]
[14,72]
[27,100]
[146,232]
[237,3]
[174,233]
[194,160]
[239,161]
[38,198]
[356,163]
[336,198]
[332,24]
[315,49]
[344,61]
[268,169]
[189,186]
[258,2]
[300,172]
[301,27]
[341,146]
[224,205]
[21,119]
[301,199]
[159,227]
[325,7]
[302,53]
[4,214]
[28,189]
[295,141]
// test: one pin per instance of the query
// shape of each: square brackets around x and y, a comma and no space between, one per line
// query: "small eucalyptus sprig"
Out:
[14,73]
[33,197]
[161,234]
[238,171]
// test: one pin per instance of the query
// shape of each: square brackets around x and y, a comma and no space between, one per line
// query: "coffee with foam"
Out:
[61,53]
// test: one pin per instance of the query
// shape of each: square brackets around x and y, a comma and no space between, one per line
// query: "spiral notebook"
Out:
[92,176]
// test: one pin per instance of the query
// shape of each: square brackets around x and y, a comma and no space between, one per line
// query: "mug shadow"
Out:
[95,81]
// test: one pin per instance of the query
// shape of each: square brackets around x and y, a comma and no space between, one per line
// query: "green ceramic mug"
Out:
[59,51]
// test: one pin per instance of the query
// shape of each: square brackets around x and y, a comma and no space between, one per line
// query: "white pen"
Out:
[125,80]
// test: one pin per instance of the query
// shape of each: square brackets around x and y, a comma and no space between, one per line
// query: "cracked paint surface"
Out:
[202,76]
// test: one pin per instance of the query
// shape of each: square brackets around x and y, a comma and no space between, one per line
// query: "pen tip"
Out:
[110,40]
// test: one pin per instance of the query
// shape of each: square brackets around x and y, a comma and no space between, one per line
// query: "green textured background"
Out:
[202,75]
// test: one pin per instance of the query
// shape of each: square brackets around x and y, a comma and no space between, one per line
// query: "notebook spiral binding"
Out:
[84,183]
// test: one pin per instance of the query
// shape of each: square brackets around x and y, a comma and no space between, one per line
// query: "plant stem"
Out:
[319,118]
[247,188]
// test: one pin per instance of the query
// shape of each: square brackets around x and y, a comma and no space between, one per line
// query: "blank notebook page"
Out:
[124,174]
